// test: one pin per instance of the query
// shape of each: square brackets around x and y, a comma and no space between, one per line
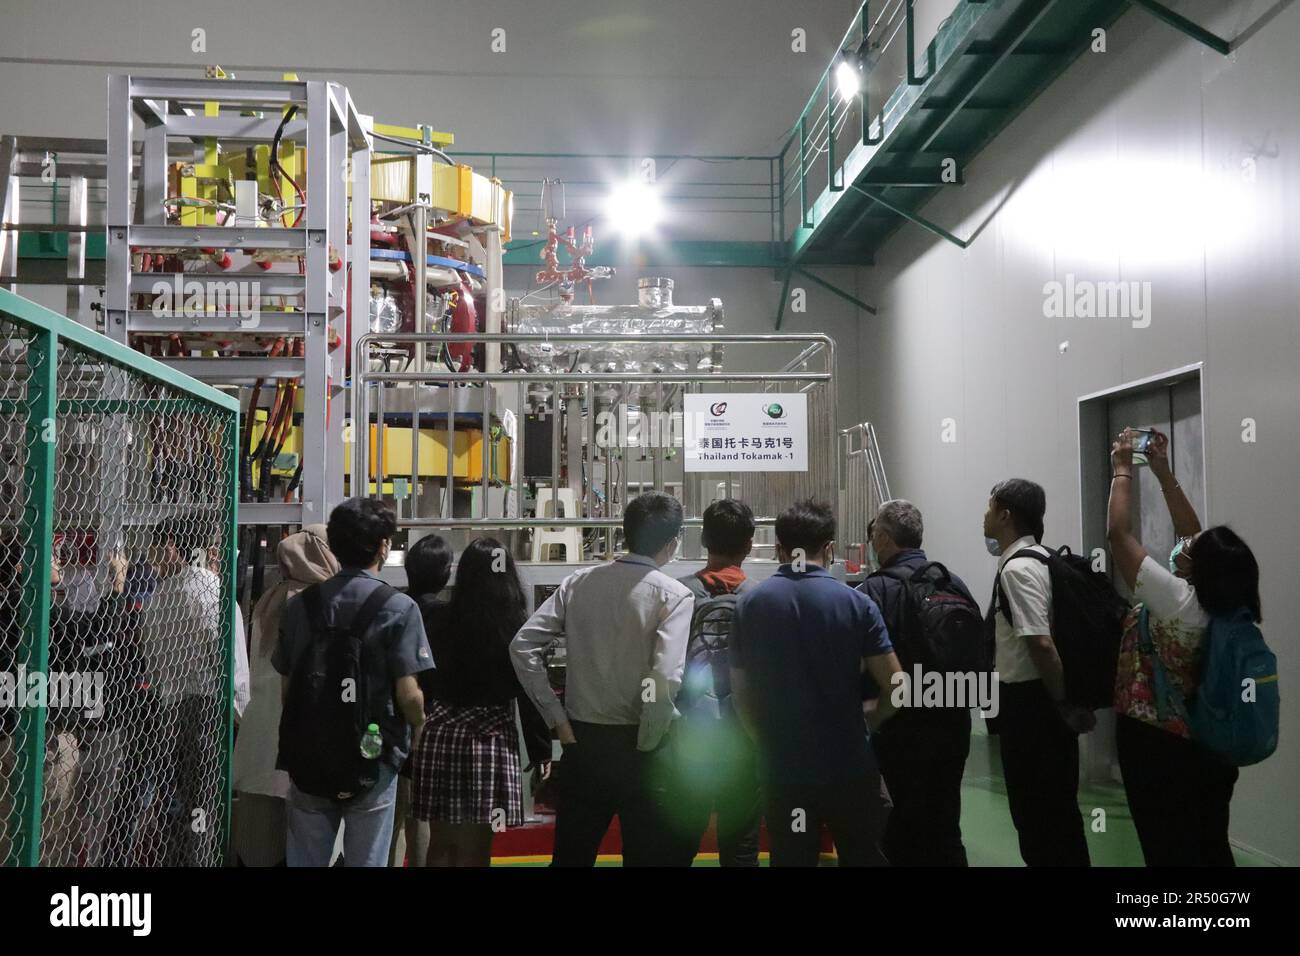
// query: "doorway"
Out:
[1170,402]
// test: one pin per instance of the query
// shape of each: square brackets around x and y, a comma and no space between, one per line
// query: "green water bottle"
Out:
[372,744]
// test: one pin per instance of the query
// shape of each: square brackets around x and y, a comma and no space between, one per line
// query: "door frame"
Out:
[1170,377]
[1097,758]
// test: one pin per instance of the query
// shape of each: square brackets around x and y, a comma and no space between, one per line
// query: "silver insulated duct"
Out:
[654,314]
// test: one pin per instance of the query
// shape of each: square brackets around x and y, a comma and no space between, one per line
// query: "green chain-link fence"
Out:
[118,489]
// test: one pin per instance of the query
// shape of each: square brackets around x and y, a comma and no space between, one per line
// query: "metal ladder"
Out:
[864,485]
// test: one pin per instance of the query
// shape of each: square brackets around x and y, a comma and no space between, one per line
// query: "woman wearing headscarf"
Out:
[258,835]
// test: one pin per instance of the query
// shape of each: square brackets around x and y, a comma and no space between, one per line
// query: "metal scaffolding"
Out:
[180,118]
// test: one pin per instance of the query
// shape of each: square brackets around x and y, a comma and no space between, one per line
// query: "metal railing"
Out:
[864,486]
[832,125]
[706,195]
[117,583]
[598,472]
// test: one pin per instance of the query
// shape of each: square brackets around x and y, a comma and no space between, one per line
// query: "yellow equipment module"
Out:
[467,454]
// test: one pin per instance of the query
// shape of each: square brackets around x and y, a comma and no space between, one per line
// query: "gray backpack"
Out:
[705,694]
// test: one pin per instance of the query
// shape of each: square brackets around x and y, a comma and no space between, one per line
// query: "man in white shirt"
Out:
[1038,729]
[183,649]
[625,625]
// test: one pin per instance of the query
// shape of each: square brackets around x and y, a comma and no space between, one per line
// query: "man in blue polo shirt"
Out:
[800,643]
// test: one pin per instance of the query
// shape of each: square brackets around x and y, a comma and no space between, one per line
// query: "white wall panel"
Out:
[1129,167]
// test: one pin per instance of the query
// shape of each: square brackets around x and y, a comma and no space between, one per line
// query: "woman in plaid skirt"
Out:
[466,765]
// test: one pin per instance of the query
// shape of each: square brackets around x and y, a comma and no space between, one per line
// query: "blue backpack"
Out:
[1242,731]
[1240,728]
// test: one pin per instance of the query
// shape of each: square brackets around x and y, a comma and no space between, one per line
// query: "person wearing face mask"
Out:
[1178,791]
[800,643]
[1037,727]
[923,750]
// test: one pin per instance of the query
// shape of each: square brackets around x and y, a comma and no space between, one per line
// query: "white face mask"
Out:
[994,548]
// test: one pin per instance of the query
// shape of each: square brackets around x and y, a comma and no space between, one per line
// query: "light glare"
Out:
[847,80]
[633,208]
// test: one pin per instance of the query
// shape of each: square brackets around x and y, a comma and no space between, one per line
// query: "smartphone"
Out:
[1142,438]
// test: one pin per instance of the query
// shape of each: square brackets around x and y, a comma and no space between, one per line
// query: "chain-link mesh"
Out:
[140,561]
[15,574]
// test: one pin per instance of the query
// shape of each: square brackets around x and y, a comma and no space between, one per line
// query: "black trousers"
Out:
[727,784]
[853,812]
[1178,793]
[603,775]
[1040,762]
[922,757]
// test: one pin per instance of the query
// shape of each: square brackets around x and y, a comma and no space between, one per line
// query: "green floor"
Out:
[990,837]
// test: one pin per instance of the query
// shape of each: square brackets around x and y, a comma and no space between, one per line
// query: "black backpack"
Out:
[321,726]
[1087,624]
[943,629]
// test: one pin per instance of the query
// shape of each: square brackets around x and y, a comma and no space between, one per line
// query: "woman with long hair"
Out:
[466,767]
[1178,791]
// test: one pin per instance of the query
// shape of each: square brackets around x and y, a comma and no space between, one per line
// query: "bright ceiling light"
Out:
[633,208]
[848,80]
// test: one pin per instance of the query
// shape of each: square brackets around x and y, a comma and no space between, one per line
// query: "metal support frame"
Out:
[30,156]
[495,321]
[10,205]
[818,280]
[78,302]
[803,172]
[320,231]
[830,287]
[230,607]
[780,199]
[863,485]
[913,78]
[338,142]
[831,169]
[1001,57]
[864,99]
[785,292]
[1185,26]
[974,50]
[920,220]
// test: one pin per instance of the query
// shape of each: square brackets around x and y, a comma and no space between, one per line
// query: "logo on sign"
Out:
[774,411]
[718,408]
